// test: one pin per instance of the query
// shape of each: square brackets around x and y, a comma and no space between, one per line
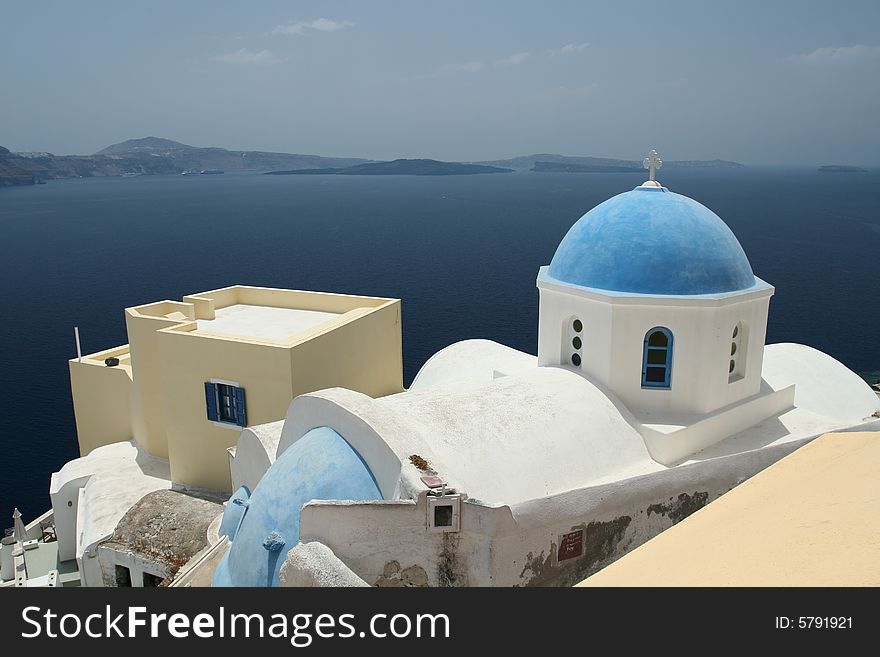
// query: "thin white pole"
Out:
[79,353]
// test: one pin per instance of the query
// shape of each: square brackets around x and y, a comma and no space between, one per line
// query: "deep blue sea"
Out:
[462,252]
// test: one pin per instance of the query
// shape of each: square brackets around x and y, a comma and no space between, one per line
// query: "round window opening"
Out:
[576,342]
[735,331]
[732,348]
[732,366]
[576,360]
[578,326]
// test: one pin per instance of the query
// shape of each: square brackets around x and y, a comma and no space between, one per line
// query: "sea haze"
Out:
[462,252]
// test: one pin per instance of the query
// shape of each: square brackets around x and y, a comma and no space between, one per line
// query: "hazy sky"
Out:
[757,82]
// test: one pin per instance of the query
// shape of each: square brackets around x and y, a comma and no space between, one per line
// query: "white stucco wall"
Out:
[102,487]
[64,493]
[254,454]
[515,545]
[368,536]
[314,564]
[615,325]
[616,518]
[557,308]
[108,558]
[669,443]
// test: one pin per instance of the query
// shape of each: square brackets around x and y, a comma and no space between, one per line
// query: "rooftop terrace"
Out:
[263,322]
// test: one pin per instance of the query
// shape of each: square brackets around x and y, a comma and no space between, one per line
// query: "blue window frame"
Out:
[657,358]
[225,403]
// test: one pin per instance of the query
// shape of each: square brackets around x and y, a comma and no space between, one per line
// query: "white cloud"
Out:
[847,54]
[513,60]
[568,49]
[245,56]
[319,25]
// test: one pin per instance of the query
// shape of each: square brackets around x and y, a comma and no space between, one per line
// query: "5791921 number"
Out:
[825,622]
[814,622]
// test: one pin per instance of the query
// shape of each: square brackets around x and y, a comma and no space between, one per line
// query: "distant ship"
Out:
[130,174]
[188,172]
[206,172]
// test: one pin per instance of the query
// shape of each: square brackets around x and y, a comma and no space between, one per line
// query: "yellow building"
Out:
[195,372]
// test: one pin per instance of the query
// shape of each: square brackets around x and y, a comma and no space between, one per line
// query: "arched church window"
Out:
[575,343]
[657,358]
[736,366]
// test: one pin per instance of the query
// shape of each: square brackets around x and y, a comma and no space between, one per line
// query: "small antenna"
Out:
[79,353]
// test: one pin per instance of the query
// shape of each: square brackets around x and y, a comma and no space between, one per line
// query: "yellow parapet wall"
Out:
[274,344]
[102,398]
[811,519]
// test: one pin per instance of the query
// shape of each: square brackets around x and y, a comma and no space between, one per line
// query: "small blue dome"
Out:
[652,241]
[319,466]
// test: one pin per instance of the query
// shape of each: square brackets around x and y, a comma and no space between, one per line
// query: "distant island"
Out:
[159,156]
[152,156]
[11,173]
[570,167]
[596,164]
[841,168]
[401,167]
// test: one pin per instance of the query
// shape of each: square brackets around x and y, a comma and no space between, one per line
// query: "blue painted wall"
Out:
[234,512]
[652,241]
[319,466]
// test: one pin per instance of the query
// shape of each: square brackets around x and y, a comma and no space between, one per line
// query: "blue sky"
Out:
[759,82]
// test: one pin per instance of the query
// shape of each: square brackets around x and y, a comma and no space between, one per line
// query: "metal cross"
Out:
[652,163]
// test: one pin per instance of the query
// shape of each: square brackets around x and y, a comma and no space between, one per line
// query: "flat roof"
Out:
[263,322]
[40,560]
[810,519]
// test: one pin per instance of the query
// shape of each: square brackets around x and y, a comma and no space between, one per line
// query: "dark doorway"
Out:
[123,576]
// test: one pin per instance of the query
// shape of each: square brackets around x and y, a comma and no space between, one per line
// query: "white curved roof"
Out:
[255,453]
[263,437]
[120,475]
[472,363]
[526,435]
[824,385]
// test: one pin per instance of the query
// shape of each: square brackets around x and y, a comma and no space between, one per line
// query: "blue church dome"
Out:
[319,466]
[652,241]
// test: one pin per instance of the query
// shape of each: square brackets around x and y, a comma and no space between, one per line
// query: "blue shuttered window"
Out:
[240,414]
[225,403]
[211,402]
[657,358]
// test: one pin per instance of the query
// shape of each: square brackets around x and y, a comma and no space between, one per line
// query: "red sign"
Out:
[571,545]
